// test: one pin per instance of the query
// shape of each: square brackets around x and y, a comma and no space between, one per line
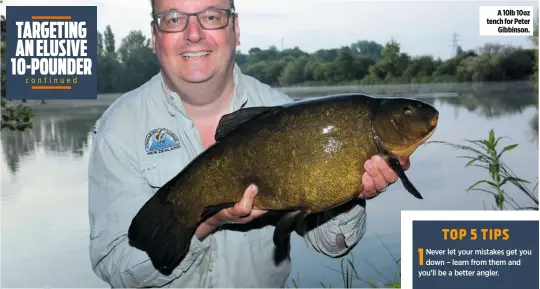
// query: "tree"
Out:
[369,49]
[16,115]
[110,68]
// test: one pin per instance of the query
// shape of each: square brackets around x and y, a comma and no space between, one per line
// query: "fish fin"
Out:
[231,121]
[396,166]
[213,209]
[285,226]
[157,231]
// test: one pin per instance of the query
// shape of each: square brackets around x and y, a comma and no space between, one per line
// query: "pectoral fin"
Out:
[285,226]
[396,166]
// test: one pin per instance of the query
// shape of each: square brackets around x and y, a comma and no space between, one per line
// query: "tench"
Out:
[305,157]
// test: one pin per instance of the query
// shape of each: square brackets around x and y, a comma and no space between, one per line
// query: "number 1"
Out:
[421,256]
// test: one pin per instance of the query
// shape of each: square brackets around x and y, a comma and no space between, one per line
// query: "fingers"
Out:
[378,175]
[368,187]
[405,162]
[387,173]
[242,211]
[243,207]
[252,215]
[373,169]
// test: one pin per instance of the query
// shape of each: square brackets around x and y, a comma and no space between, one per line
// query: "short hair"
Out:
[231,3]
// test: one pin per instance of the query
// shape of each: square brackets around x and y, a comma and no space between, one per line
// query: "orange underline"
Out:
[51,17]
[52,87]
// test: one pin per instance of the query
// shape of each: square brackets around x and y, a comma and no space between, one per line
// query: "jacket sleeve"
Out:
[349,225]
[117,190]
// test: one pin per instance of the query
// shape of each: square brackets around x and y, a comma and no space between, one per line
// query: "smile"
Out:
[195,54]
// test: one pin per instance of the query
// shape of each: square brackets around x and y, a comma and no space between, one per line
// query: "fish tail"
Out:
[158,231]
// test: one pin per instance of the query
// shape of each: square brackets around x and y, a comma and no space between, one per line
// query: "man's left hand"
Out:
[378,175]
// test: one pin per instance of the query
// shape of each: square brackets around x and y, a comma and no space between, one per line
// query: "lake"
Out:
[44,183]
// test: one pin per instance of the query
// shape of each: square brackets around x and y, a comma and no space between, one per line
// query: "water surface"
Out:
[44,184]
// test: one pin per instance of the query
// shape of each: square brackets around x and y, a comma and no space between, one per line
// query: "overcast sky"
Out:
[422,27]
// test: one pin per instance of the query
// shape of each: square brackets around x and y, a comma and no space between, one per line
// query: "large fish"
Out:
[305,157]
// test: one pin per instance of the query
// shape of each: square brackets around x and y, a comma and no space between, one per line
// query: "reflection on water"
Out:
[44,203]
[62,132]
[58,133]
[494,104]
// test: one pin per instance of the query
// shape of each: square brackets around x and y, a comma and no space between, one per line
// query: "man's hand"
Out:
[379,175]
[241,213]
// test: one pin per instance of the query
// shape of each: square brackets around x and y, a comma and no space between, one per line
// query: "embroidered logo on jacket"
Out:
[160,140]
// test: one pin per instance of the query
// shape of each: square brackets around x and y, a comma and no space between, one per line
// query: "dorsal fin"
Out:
[231,121]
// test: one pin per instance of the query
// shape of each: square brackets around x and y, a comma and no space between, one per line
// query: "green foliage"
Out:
[349,274]
[486,155]
[368,63]
[363,62]
[129,66]
[15,114]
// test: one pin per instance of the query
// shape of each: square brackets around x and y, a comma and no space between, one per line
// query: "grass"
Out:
[349,274]
[487,154]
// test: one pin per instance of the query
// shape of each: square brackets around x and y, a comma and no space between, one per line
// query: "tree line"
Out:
[362,62]
[129,64]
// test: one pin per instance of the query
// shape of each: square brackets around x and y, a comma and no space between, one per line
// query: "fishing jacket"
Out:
[125,171]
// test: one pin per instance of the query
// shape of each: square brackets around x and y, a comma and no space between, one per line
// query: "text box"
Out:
[475,254]
[51,52]
[506,20]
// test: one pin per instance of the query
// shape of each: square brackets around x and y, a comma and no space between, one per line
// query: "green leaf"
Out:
[479,143]
[472,161]
[507,148]
[480,182]
[490,145]
[485,191]
[499,138]
[513,179]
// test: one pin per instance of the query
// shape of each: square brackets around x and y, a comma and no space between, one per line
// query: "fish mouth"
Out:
[434,120]
[408,151]
[432,124]
[401,132]
[189,55]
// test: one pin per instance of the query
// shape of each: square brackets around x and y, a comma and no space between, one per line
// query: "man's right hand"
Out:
[241,213]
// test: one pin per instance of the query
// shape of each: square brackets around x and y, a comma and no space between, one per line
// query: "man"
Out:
[149,134]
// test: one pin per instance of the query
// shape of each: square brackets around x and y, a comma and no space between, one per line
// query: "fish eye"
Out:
[407,110]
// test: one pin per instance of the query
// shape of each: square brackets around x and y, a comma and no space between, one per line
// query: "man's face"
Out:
[195,54]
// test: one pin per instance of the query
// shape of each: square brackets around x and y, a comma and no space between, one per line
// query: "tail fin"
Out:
[158,232]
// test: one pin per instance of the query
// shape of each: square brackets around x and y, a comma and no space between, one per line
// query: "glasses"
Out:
[210,19]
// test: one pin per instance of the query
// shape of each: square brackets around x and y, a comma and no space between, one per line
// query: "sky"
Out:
[421,27]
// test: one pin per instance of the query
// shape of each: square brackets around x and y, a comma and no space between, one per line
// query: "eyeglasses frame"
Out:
[228,12]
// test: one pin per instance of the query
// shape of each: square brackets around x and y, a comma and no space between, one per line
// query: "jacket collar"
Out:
[174,104]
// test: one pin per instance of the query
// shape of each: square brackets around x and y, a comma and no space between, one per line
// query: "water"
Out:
[44,193]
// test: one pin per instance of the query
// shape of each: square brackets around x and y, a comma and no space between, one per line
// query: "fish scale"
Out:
[305,157]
